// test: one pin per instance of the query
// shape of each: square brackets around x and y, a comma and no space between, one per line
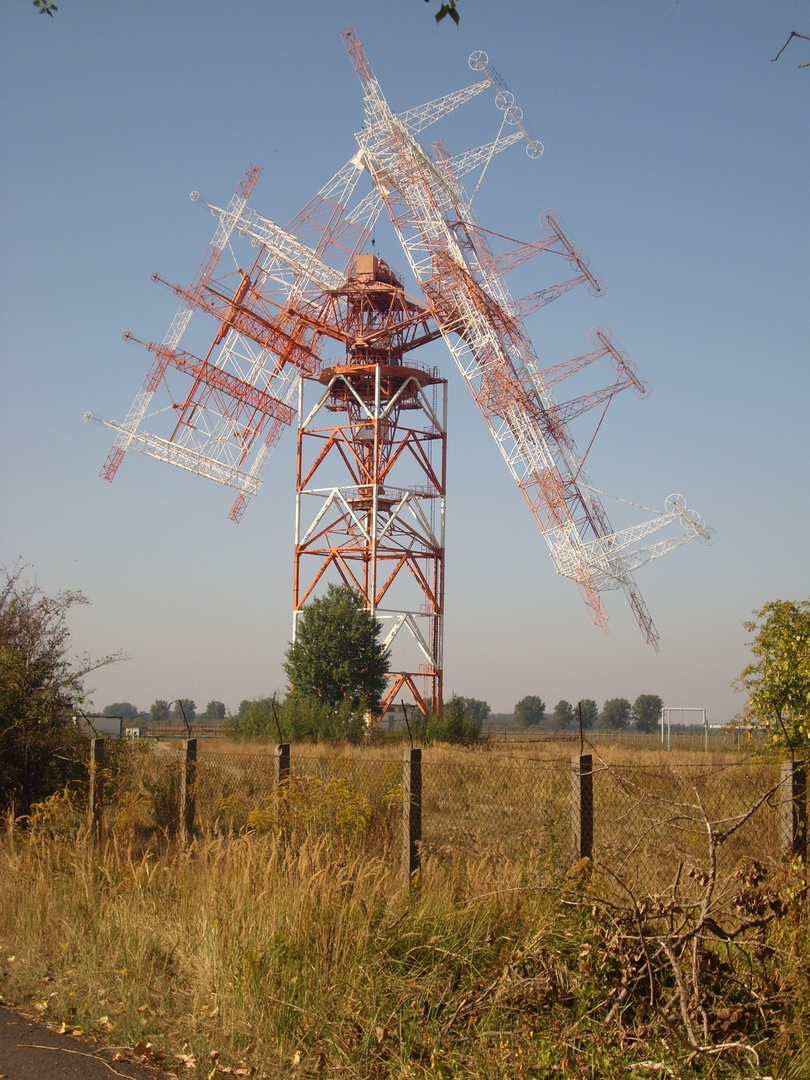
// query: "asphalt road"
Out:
[30,1050]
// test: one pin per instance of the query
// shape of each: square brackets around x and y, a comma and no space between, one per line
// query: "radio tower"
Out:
[381,529]
[311,287]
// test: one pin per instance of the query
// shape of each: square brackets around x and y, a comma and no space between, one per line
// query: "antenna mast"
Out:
[372,431]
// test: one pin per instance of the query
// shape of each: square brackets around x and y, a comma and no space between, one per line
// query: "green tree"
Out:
[530,711]
[214,710]
[563,715]
[778,679]
[123,709]
[337,655]
[159,712]
[185,707]
[473,708]
[616,714]
[460,722]
[590,713]
[40,687]
[646,714]
[255,720]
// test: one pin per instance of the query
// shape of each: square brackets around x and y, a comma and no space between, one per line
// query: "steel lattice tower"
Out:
[281,310]
[382,528]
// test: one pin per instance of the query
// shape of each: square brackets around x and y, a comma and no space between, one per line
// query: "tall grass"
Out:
[291,942]
[262,951]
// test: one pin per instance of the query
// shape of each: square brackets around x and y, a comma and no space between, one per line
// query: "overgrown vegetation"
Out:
[286,940]
[299,716]
[461,722]
[777,680]
[41,685]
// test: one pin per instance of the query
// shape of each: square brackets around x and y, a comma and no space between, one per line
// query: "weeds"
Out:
[284,939]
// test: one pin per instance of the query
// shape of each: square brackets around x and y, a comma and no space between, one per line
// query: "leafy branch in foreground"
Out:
[448,8]
[40,686]
[778,679]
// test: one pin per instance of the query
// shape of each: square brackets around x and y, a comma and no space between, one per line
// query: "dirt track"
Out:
[30,1050]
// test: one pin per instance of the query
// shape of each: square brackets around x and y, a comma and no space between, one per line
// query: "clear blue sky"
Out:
[677,155]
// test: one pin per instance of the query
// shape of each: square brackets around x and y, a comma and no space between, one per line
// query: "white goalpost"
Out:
[666,722]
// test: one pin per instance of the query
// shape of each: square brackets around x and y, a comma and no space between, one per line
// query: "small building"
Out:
[393,719]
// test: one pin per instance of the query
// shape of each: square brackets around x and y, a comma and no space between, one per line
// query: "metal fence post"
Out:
[582,805]
[412,811]
[793,810]
[95,802]
[188,791]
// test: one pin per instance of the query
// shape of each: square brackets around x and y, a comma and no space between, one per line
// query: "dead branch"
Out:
[668,936]
[793,34]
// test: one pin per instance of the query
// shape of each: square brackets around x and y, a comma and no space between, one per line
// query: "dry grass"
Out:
[293,958]
[504,802]
[289,941]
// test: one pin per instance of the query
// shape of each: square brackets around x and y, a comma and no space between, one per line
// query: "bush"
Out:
[40,686]
[255,720]
[457,724]
[309,718]
[298,717]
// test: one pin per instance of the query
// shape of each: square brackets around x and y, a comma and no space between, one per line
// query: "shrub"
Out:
[457,724]
[40,686]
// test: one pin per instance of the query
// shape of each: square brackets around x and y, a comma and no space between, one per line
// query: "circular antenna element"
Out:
[675,504]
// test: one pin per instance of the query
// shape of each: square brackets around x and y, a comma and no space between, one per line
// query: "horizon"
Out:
[674,154]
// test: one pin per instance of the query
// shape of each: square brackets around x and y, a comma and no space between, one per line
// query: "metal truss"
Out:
[287,299]
[482,325]
[377,430]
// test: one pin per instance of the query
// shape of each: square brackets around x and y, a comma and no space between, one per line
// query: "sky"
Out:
[677,156]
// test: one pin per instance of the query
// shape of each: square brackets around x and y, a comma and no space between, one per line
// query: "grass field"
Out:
[286,939]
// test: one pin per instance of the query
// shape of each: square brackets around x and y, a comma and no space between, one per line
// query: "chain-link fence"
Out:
[512,809]
[343,798]
[644,825]
[654,823]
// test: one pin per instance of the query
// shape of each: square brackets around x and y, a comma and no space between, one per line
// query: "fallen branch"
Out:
[78,1053]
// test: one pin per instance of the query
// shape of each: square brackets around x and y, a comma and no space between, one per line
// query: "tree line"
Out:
[42,686]
[162,712]
[617,714]
[462,716]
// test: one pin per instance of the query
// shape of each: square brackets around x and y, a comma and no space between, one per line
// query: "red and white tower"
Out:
[372,422]
[370,486]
